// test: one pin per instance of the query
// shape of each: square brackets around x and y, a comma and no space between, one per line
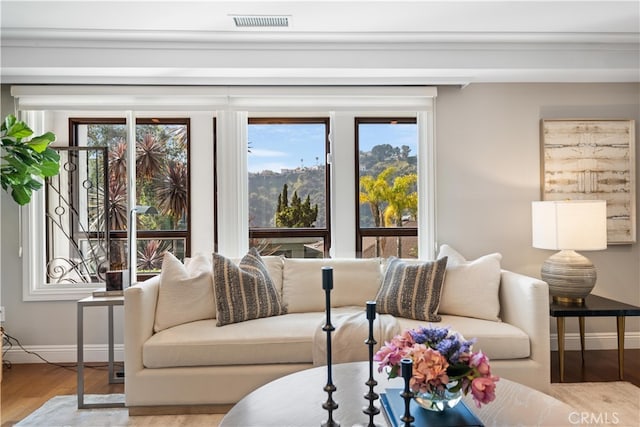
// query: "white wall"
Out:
[488,172]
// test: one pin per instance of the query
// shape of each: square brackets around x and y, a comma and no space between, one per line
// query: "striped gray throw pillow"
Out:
[244,291]
[412,289]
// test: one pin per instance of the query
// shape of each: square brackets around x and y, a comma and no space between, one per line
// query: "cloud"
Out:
[271,166]
[262,152]
[280,159]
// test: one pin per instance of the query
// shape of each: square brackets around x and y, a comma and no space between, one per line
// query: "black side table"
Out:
[594,306]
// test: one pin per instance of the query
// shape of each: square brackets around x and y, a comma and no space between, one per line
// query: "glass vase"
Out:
[439,399]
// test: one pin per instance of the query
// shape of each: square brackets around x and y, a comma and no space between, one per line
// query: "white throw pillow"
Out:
[186,293]
[471,288]
[355,281]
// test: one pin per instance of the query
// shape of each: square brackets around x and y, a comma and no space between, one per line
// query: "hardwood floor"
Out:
[26,387]
[599,365]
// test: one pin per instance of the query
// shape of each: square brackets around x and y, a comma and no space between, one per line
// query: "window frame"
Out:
[276,232]
[147,234]
[362,232]
[36,287]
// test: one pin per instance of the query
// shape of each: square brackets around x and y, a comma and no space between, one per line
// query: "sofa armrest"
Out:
[524,302]
[139,317]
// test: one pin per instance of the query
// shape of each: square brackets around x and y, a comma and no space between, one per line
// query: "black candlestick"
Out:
[330,405]
[407,395]
[371,396]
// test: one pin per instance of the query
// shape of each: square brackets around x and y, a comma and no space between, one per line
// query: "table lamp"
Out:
[568,226]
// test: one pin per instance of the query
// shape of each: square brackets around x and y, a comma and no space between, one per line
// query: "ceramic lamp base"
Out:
[570,276]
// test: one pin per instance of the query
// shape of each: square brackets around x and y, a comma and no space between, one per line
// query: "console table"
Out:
[593,306]
[296,399]
[92,301]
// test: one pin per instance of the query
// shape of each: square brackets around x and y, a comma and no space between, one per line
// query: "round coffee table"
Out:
[296,400]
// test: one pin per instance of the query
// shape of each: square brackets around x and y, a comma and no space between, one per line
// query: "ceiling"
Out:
[326,42]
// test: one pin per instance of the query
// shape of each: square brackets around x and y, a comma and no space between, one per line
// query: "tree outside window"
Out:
[387,187]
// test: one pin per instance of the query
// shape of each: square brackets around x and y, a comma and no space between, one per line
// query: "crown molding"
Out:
[315,77]
[51,56]
[59,35]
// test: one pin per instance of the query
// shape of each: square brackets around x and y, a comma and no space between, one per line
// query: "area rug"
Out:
[601,403]
[605,403]
[62,411]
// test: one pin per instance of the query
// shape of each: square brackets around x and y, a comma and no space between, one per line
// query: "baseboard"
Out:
[596,341]
[63,353]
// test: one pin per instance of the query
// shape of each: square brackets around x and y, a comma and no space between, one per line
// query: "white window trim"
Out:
[231,98]
[426,193]
[132,229]
[233,183]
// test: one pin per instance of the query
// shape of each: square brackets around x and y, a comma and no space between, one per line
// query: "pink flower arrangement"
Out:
[442,359]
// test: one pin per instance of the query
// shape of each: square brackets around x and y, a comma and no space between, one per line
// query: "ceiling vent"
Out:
[261,21]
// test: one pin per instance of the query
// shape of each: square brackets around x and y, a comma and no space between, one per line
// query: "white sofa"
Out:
[198,366]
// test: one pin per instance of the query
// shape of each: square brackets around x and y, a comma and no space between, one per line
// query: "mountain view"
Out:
[267,185]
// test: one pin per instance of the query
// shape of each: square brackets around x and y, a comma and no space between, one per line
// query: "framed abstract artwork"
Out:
[593,160]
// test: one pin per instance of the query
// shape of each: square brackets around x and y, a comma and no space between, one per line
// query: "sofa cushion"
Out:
[279,339]
[244,291]
[411,289]
[355,281]
[274,264]
[498,340]
[471,287]
[185,293]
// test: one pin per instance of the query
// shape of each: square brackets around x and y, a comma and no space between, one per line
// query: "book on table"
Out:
[105,293]
[393,408]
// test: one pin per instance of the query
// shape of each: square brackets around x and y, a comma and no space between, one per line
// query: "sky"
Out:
[288,146]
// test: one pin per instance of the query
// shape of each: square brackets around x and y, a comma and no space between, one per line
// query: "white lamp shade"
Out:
[579,225]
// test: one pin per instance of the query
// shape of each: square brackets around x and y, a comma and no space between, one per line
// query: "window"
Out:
[162,182]
[288,180]
[222,152]
[81,246]
[386,187]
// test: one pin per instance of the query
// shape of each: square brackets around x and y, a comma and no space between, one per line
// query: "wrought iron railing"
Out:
[77,219]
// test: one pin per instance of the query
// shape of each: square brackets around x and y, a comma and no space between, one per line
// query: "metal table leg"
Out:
[620,324]
[112,378]
[560,324]
[581,324]
[80,326]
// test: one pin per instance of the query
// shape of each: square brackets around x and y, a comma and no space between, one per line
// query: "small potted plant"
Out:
[25,162]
